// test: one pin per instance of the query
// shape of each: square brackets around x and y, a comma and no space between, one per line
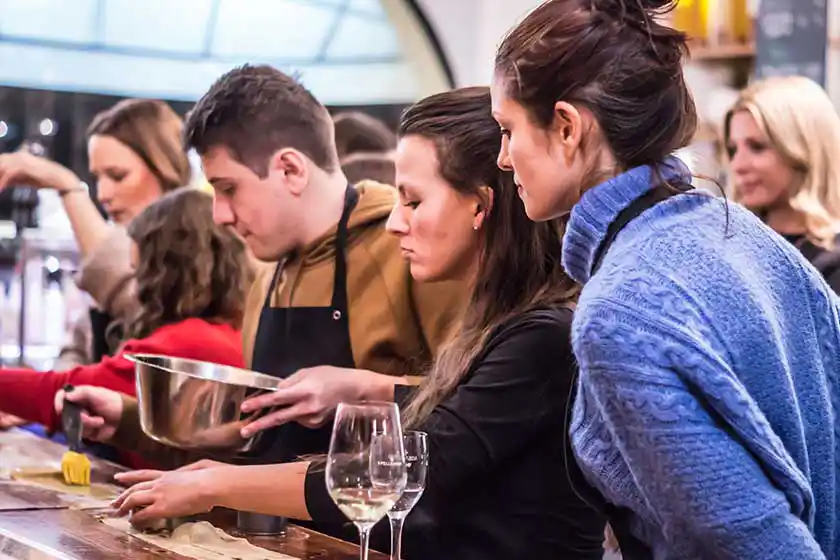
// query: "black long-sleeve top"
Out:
[498,483]
[825,261]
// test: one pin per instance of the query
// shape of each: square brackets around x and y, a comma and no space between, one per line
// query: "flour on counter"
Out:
[201,541]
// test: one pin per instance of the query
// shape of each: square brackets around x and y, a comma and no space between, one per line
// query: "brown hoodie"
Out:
[396,324]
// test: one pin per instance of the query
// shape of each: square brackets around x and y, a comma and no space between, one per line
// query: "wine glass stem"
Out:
[396,536]
[364,544]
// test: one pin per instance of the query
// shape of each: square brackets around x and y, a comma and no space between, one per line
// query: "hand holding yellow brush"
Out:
[74,465]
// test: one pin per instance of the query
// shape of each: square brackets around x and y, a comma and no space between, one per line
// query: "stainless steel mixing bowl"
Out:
[195,405]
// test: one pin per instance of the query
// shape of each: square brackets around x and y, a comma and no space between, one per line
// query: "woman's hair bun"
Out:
[624,6]
[656,5]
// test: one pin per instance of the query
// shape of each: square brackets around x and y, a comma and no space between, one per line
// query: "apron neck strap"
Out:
[339,297]
[648,200]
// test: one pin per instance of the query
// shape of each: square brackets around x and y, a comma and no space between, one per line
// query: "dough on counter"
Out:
[201,541]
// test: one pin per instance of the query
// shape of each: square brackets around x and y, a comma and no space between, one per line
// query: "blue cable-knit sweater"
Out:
[709,356]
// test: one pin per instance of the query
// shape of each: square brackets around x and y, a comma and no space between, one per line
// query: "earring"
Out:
[479,218]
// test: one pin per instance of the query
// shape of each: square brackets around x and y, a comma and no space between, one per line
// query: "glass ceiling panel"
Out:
[333,3]
[177,26]
[373,7]
[281,29]
[187,80]
[363,38]
[51,20]
[346,51]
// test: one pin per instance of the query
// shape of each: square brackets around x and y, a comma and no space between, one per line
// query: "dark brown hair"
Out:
[188,266]
[359,132]
[372,166]
[152,130]
[519,268]
[253,111]
[612,57]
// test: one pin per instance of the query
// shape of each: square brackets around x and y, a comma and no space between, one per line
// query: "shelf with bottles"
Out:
[700,52]
[720,30]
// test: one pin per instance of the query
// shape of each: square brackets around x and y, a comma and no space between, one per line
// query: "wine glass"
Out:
[366,469]
[417,462]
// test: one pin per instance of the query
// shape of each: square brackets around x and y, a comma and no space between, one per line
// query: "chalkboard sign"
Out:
[792,39]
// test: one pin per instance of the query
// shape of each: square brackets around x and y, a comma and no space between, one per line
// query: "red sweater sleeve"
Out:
[29,394]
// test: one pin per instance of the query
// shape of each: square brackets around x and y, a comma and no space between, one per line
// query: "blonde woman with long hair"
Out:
[783,141]
[135,155]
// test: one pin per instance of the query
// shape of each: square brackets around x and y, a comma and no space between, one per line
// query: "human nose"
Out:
[739,161]
[396,223]
[104,191]
[222,212]
[503,159]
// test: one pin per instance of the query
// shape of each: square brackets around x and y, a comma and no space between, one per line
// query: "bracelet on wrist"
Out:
[81,187]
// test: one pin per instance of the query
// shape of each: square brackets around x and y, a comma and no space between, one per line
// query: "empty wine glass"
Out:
[366,469]
[417,462]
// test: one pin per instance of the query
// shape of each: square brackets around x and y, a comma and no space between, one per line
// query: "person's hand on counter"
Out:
[131,478]
[8,421]
[277,489]
[169,494]
[310,396]
[103,409]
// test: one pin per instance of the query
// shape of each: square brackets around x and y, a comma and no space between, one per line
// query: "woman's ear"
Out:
[486,196]
[567,128]
[483,207]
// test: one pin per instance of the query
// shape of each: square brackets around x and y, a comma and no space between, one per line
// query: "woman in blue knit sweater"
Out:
[709,347]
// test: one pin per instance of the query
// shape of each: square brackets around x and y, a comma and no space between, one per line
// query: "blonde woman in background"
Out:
[783,141]
[135,155]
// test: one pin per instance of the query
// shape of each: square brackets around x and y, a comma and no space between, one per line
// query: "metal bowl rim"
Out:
[140,358]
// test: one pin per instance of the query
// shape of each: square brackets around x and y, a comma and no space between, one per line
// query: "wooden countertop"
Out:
[37,523]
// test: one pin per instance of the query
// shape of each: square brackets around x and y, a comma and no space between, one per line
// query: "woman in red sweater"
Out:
[192,278]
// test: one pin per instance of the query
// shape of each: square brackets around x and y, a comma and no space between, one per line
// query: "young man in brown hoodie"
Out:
[334,290]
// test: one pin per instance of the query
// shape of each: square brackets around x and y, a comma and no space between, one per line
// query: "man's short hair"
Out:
[253,111]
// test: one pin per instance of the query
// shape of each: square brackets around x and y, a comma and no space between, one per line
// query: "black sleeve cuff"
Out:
[319,504]
[403,394]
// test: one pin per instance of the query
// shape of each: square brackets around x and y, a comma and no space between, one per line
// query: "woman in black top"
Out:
[495,402]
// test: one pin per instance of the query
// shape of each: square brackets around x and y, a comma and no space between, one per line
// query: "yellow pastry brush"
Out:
[74,464]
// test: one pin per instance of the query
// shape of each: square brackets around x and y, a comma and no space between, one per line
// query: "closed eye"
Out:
[756,146]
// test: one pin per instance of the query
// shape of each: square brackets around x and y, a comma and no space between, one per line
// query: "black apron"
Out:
[292,338]
[99,330]
[101,335]
[619,518]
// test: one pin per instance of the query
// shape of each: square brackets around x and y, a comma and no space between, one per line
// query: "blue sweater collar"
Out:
[600,205]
